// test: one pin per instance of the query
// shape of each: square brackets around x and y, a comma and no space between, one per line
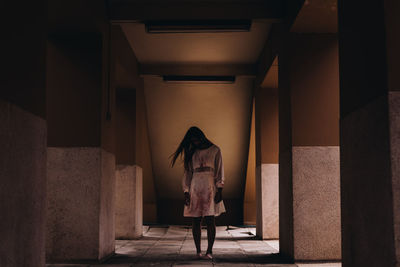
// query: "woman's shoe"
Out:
[209,256]
[199,256]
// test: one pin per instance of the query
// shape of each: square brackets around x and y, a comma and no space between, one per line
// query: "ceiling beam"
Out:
[125,11]
[270,52]
[198,70]
[276,40]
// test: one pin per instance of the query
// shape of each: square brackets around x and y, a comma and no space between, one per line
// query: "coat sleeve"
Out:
[187,179]
[219,170]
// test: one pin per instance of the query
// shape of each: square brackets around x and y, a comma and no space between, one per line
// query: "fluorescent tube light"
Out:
[198,26]
[199,79]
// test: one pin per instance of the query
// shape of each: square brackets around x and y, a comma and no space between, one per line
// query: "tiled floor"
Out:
[174,246]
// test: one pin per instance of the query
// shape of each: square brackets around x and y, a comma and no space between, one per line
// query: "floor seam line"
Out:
[244,251]
[183,242]
[158,240]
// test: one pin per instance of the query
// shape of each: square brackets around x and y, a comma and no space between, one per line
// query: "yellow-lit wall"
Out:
[249,204]
[144,158]
[269,126]
[223,112]
[314,90]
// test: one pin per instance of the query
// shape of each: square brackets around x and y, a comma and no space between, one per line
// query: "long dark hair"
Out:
[186,147]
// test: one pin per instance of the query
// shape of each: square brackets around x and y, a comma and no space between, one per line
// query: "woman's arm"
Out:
[219,170]
[219,176]
[187,180]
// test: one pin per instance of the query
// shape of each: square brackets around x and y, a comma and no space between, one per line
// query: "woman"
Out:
[202,184]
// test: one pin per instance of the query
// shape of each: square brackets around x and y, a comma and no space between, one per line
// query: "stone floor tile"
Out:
[273,243]
[174,246]
[112,265]
[193,264]
[275,265]
[155,264]
[234,264]
[338,264]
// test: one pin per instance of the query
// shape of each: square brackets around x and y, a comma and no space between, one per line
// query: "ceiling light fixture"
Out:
[198,26]
[199,79]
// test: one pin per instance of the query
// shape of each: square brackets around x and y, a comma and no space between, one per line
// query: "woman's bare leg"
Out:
[196,231]
[210,221]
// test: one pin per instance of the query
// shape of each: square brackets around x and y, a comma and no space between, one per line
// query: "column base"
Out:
[23,187]
[80,204]
[370,183]
[316,203]
[269,211]
[129,203]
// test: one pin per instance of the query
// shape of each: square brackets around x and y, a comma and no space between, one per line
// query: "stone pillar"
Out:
[23,134]
[80,162]
[267,170]
[132,143]
[129,203]
[144,158]
[129,177]
[22,186]
[309,148]
[249,199]
[369,131]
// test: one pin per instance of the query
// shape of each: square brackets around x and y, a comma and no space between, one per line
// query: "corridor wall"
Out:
[23,134]
[81,148]
[309,157]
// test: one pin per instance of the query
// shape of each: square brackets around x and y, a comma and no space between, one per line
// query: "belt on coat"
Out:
[203,169]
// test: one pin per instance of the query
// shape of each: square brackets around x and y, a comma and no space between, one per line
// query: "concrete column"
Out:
[23,134]
[80,162]
[133,134]
[144,158]
[309,148]
[369,132]
[129,203]
[249,200]
[267,146]
[22,186]
[129,177]
[268,209]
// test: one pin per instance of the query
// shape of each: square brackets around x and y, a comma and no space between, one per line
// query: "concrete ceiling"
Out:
[201,48]
[222,111]
[180,1]
[317,16]
[139,10]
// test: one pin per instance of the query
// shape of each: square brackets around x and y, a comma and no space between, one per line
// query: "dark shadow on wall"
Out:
[73,105]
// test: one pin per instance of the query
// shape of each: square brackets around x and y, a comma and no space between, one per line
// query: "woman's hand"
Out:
[218,196]
[187,199]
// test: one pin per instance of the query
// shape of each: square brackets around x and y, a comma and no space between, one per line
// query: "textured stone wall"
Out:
[394,118]
[22,187]
[270,200]
[107,205]
[366,187]
[129,202]
[316,198]
[369,107]
[80,210]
